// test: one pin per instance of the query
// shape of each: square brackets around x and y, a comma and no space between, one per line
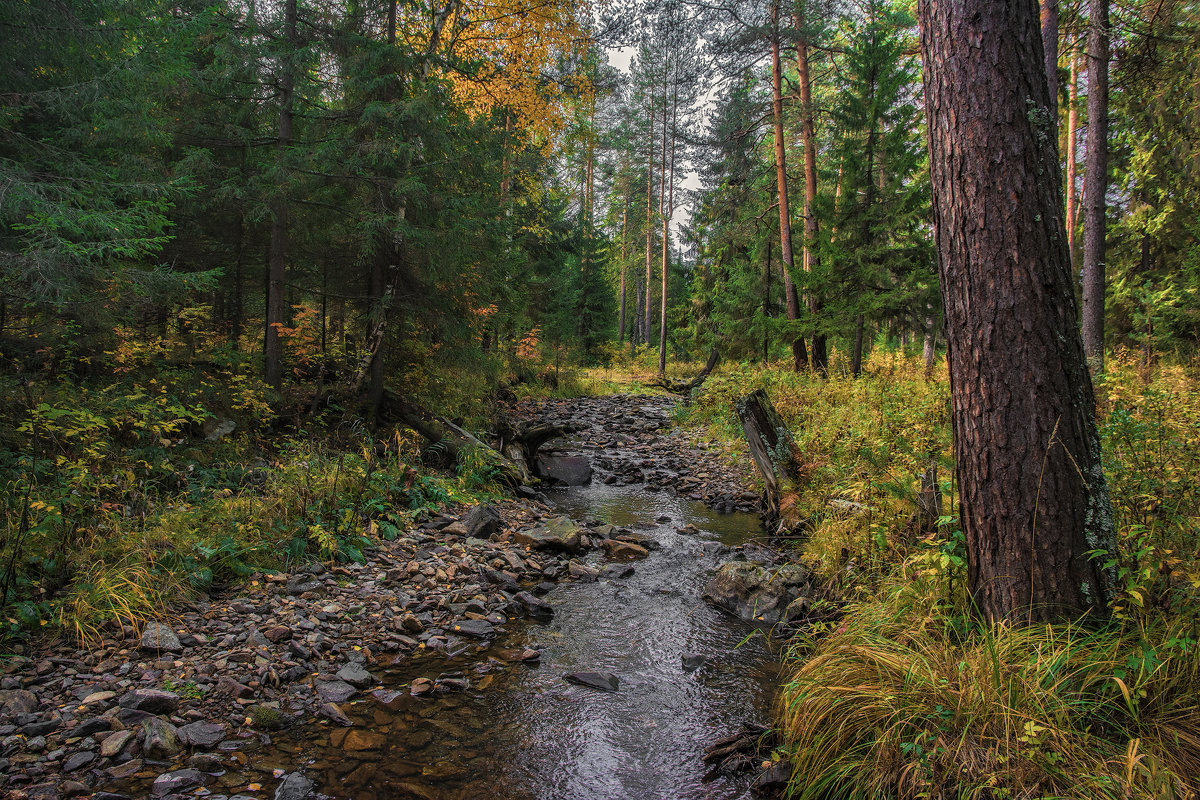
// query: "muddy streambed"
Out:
[521,731]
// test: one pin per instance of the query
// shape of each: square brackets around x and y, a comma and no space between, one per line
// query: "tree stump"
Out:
[774,453]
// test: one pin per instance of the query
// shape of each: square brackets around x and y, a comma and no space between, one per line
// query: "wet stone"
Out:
[294,786]
[78,761]
[18,701]
[176,781]
[335,691]
[160,738]
[202,734]
[115,743]
[478,628]
[356,675]
[693,661]
[604,681]
[151,701]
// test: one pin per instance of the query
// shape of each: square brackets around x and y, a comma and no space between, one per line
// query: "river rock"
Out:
[78,761]
[332,712]
[755,592]
[479,628]
[151,701]
[624,550]
[481,521]
[356,675]
[534,606]
[160,739]
[18,701]
[202,734]
[559,534]
[692,661]
[159,638]
[176,781]
[567,470]
[294,786]
[604,681]
[335,691]
[114,744]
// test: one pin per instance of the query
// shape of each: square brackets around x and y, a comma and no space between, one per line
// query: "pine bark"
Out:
[1034,502]
[1095,186]
[621,318]
[808,134]
[1049,19]
[649,229]
[799,351]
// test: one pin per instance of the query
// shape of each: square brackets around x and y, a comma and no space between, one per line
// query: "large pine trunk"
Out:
[1034,502]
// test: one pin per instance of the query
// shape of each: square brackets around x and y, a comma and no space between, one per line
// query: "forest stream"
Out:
[475,704]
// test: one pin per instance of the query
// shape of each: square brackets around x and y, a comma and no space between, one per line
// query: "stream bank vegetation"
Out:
[906,693]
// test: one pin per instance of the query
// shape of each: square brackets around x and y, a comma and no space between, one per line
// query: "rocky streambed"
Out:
[551,646]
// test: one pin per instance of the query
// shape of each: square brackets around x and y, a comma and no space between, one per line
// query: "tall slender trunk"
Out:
[277,261]
[799,351]
[666,222]
[820,357]
[856,354]
[237,305]
[1095,187]
[1049,20]
[621,318]
[1072,137]
[766,303]
[649,228]
[639,319]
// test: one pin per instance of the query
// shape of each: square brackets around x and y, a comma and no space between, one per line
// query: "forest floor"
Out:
[187,704]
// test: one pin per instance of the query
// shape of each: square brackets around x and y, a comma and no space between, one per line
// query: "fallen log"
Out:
[453,439]
[775,454]
[685,387]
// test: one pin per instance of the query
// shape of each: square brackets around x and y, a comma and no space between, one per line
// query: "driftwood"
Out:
[774,453]
[685,387]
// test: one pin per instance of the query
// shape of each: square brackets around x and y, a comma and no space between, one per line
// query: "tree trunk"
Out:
[669,191]
[799,351]
[1072,141]
[820,357]
[277,262]
[857,355]
[1034,502]
[621,317]
[1049,20]
[1095,187]
[774,453]
[649,229]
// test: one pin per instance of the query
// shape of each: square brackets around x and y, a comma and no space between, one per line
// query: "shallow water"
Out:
[523,732]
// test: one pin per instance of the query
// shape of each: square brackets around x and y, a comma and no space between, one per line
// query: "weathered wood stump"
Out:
[774,453]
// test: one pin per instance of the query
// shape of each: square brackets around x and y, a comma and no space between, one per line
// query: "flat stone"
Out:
[358,740]
[356,675]
[18,701]
[478,628]
[604,681]
[176,781]
[559,534]
[335,691]
[294,786]
[98,697]
[202,734]
[152,701]
[332,712]
[114,744]
[78,760]
[625,550]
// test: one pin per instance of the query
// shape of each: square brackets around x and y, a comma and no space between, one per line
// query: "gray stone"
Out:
[559,534]
[604,681]
[356,675]
[755,592]
[480,629]
[332,712]
[78,761]
[299,584]
[18,701]
[693,661]
[159,638]
[202,734]
[176,781]
[160,739]
[567,470]
[115,743]
[535,606]
[335,691]
[294,786]
[151,701]
[481,521]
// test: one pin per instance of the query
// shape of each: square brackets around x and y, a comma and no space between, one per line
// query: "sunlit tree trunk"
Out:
[820,357]
[799,351]
[1072,137]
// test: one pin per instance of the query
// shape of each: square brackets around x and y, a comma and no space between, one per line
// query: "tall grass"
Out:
[907,696]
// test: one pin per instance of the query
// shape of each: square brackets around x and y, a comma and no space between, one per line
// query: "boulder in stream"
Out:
[559,534]
[755,592]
